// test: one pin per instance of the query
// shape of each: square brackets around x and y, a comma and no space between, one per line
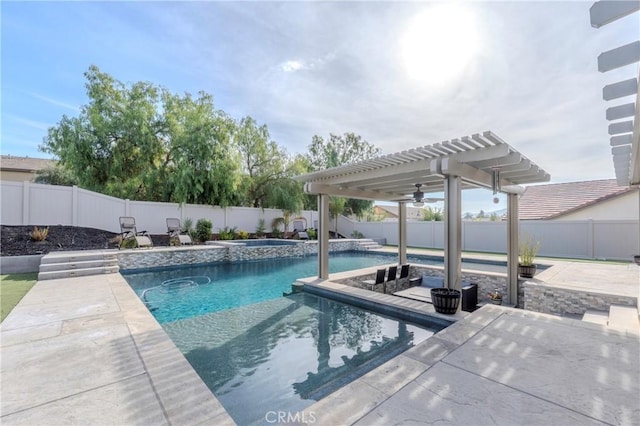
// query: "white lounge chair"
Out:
[174,229]
[128,232]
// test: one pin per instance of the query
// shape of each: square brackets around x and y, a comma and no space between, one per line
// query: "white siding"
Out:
[624,207]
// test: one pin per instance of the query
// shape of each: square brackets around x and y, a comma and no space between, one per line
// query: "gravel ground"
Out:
[16,240]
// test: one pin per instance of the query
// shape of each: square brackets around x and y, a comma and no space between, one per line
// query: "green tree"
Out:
[268,169]
[434,214]
[142,142]
[340,150]
[55,176]
[481,215]
[336,207]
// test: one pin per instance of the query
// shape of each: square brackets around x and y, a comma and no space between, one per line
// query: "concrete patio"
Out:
[87,351]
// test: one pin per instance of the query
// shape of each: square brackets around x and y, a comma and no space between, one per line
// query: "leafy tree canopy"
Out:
[142,142]
[268,170]
[337,151]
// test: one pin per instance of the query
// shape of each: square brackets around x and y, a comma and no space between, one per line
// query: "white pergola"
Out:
[624,118]
[481,160]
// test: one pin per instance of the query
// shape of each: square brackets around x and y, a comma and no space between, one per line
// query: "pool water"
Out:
[202,289]
[286,353]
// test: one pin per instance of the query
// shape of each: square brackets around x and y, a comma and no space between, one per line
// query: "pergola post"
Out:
[453,232]
[512,248]
[323,236]
[402,233]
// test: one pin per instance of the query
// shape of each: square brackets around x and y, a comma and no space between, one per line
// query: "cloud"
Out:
[293,66]
[55,102]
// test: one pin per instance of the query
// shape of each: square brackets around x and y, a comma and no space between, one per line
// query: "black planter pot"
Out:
[445,301]
[636,259]
[526,271]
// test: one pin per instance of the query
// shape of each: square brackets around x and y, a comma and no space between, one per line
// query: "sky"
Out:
[400,74]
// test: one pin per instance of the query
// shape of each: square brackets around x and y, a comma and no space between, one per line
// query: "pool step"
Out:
[368,244]
[619,317]
[77,264]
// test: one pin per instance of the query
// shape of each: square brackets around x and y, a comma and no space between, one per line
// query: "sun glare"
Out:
[439,43]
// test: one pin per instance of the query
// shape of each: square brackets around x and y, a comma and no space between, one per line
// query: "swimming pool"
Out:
[260,352]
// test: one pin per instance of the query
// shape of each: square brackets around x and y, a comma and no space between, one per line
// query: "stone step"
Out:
[84,264]
[624,318]
[596,317]
[52,275]
[70,257]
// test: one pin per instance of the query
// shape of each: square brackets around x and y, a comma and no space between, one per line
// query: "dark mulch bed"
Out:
[16,241]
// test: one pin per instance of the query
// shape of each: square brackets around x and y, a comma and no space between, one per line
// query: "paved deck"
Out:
[87,351]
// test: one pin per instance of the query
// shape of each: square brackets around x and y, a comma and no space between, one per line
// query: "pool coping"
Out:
[115,311]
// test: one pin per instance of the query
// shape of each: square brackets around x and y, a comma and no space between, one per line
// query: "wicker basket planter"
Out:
[526,271]
[445,301]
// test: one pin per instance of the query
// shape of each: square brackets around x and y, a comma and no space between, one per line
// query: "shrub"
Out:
[312,233]
[227,233]
[357,234]
[243,235]
[275,229]
[203,230]
[129,243]
[39,234]
[528,250]
[260,228]
[187,227]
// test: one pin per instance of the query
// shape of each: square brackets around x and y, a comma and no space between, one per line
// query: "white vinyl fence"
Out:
[25,203]
[582,239]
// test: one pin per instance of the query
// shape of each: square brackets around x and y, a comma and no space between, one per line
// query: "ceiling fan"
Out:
[419,199]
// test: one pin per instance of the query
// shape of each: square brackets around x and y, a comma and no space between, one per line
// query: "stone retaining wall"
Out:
[175,256]
[153,258]
[559,301]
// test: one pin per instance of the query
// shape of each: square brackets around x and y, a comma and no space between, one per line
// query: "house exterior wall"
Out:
[624,207]
[17,176]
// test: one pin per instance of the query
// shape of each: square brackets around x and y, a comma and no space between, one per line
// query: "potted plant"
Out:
[495,297]
[528,251]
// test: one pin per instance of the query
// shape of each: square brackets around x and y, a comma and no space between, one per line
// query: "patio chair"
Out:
[174,229]
[128,232]
[404,272]
[393,271]
[299,224]
[380,273]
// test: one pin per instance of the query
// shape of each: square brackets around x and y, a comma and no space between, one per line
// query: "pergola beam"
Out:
[318,188]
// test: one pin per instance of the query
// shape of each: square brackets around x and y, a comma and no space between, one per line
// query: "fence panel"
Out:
[99,211]
[484,236]
[50,204]
[559,238]
[616,239]
[11,206]
[152,216]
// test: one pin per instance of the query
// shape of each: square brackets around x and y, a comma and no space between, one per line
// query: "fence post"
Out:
[590,239]
[74,205]
[26,199]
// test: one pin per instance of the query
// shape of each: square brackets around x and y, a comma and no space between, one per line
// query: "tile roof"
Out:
[26,164]
[553,200]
